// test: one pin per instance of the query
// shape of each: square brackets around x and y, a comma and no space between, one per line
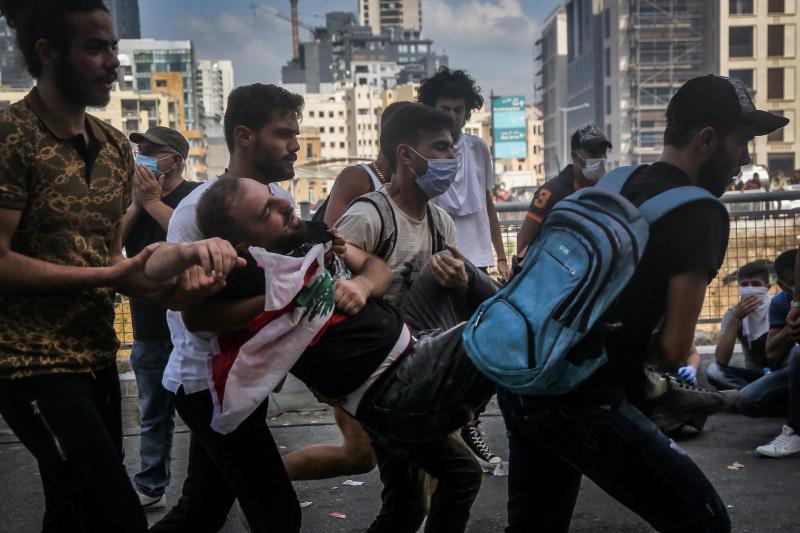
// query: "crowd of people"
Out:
[367,304]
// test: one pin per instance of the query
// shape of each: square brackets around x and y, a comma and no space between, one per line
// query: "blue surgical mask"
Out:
[151,163]
[439,176]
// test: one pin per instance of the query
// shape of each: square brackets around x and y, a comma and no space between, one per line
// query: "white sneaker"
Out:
[152,503]
[784,445]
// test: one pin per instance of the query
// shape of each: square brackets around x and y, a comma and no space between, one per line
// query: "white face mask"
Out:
[594,169]
[761,292]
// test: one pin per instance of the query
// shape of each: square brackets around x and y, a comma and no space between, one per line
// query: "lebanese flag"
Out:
[246,366]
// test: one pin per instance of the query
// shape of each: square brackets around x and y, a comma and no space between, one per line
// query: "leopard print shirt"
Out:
[66,220]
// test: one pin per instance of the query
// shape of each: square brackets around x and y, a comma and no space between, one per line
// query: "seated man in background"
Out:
[769,394]
[748,323]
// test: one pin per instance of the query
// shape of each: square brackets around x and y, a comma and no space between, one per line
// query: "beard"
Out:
[78,88]
[269,167]
[717,173]
[298,239]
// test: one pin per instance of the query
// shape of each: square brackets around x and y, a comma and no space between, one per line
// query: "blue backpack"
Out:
[542,334]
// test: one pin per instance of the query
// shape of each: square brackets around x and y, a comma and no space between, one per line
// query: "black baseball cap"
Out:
[715,99]
[163,136]
[590,138]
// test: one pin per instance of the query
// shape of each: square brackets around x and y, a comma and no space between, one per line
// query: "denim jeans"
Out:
[72,425]
[793,419]
[413,410]
[766,396]
[554,441]
[156,415]
[244,465]
[726,377]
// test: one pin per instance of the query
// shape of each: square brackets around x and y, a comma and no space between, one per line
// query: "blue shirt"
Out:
[779,308]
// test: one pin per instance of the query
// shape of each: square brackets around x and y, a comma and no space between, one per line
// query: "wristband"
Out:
[504,260]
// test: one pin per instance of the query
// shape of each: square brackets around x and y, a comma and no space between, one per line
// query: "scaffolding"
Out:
[667,47]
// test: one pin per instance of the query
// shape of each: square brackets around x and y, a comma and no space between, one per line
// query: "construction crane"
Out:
[255,7]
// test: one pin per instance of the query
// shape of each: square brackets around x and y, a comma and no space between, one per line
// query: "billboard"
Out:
[509,132]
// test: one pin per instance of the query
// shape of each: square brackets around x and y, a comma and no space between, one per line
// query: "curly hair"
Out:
[448,83]
[43,19]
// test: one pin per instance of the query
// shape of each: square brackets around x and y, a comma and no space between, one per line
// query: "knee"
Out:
[360,459]
[748,403]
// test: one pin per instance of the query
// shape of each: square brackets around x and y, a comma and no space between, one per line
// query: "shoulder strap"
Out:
[388,237]
[376,183]
[436,225]
[661,204]
[615,180]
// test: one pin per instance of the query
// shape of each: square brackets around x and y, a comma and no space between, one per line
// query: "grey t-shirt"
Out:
[361,227]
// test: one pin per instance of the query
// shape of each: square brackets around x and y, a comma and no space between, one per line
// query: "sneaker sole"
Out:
[772,455]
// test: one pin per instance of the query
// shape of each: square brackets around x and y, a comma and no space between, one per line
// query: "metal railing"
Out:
[762,226]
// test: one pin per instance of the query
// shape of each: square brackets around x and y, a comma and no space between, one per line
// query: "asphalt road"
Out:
[761,497]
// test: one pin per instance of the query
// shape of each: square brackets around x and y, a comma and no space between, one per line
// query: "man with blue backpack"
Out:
[617,277]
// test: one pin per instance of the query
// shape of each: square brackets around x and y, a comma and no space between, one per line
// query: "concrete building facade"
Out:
[125,14]
[758,44]
[380,14]
[215,80]
[552,57]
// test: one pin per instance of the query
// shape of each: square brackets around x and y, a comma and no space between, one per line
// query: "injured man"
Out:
[298,307]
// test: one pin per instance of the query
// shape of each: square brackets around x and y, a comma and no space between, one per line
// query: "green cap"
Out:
[164,137]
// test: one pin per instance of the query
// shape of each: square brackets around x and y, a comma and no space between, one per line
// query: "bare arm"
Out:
[373,278]
[20,274]
[351,183]
[214,255]
[694,357]
[497,236]
[684,301]
[527,232]
[129,220]
[727,340]
[779,342]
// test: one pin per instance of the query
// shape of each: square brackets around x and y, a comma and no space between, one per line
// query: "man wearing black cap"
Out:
[158,188]
[595,430]
[589,153]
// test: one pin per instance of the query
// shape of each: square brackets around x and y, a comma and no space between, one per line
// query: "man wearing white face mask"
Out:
[746,322]
[589,153]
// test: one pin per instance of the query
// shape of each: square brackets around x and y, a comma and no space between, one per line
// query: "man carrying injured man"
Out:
[411,395]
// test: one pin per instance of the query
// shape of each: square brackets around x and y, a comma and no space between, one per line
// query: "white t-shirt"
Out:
[188,362]
[474,232]
[361,227]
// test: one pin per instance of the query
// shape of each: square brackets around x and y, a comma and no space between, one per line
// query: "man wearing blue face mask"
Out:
[158,188]
[417,240]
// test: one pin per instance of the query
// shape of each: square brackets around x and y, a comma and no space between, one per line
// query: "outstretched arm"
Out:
[215,255]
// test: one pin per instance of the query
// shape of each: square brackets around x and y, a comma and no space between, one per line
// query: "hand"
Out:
[339,244]
[194,286]
[146,187]
[128,277]
[350,296]
[745,306]
[688,374]
[215,255]
[503,270]
[450,271]
[793,322]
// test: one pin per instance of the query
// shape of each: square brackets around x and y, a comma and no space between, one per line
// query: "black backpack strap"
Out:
[436,226]
[388,233]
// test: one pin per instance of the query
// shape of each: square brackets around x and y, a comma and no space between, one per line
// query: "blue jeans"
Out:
[768,395]
[156,415]
[725,377]
[554,441]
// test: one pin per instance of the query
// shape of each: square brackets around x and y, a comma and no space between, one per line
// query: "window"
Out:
[777,135]
[607,23]
[745,75]
[311,114]
[161,83]
[330,114]
[775,40]
[740,7]
[776,6]
[309,151]
[775,83]
[341,145]
[784,162]
[608,100]
[608,62]
[740,43]
[331,129]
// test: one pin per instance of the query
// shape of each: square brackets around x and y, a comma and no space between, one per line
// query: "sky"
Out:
[492,39]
